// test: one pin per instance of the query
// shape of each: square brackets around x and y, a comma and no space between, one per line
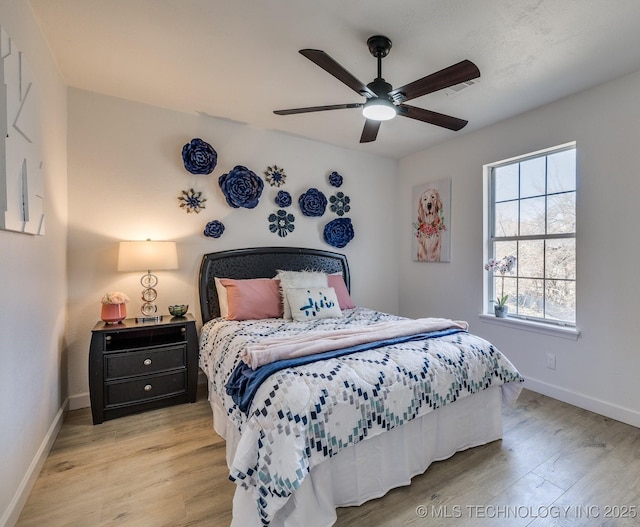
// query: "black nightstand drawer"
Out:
[144,388]
[135,366]
[144,337]
[147,361]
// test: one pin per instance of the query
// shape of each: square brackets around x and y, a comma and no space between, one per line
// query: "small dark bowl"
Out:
[178,310]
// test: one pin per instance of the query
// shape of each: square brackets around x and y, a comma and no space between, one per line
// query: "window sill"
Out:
[566,332]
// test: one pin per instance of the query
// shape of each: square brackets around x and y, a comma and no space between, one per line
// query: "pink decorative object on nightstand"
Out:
[113,313]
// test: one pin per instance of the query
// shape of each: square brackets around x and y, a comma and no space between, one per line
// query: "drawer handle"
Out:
[183,330]
[147,388]
[147,362]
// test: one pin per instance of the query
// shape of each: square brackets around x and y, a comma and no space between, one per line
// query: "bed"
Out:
[319,434]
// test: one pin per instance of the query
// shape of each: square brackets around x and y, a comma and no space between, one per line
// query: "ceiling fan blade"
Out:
[427,116]
[319,108]
[331,66]
[460,72]
[370,131]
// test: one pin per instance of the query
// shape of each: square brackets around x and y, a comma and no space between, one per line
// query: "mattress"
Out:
[347,429]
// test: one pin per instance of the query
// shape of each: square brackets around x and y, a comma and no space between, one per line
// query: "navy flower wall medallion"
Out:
[339,232]
[312,202]
[241,187]
[281,223]
[275,176]
[191,201]
[214,229]
[340,204]
[335,179]
[283,199]
[199,157]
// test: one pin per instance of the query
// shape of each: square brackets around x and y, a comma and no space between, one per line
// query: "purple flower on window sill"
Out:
[214,229]
[283,199]
[281,223]
[335,179]
[339,232]
[199,157]
[312,202]
[241,187]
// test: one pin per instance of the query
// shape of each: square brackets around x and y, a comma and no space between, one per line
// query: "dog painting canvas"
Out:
[431,218]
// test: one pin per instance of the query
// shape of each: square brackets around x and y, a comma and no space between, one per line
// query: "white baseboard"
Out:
[80,400]
[619,413]
[11,515]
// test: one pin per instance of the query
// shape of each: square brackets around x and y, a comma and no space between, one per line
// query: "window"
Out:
[532,216]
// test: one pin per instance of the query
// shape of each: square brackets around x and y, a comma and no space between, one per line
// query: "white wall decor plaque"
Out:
[21,177]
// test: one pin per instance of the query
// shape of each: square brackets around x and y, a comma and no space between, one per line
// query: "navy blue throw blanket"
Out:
[244,382]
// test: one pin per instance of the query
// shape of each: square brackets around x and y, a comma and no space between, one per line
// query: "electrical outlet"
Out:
[551,361]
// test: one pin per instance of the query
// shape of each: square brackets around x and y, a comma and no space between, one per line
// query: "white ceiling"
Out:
[239,60]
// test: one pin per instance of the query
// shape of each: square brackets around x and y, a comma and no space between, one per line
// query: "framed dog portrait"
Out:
[431,212]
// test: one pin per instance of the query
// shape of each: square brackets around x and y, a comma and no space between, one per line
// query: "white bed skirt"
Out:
[371,468]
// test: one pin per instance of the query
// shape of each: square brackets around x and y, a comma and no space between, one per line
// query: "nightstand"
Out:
[139,366]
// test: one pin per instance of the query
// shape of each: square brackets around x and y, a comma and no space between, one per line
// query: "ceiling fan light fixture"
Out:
[379,109]
[383,102]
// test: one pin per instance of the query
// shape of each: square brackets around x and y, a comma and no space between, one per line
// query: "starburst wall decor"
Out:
[275,176]
[191,201]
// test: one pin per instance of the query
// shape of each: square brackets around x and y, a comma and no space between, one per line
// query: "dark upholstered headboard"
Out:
[261,262]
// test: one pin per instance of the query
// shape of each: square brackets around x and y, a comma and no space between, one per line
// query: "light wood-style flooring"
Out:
[557,465]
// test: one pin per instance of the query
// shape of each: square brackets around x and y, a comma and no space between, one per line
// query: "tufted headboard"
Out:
[261,262]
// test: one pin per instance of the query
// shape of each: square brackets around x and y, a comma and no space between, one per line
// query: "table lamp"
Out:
[145,256]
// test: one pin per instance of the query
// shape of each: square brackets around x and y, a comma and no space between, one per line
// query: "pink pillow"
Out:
[253,299]
[337,282]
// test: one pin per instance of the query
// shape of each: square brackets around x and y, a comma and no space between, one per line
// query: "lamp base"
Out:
[155,318]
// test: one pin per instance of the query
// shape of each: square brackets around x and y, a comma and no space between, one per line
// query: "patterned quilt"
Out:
[302,415]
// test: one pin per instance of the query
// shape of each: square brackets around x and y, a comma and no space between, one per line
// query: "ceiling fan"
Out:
[383,102]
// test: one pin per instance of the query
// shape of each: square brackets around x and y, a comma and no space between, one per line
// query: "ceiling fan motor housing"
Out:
[380,87]
[379,46]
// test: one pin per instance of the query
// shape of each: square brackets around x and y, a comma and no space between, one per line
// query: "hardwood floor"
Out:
[557,465]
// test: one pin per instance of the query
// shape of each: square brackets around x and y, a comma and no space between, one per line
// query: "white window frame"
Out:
[538,325]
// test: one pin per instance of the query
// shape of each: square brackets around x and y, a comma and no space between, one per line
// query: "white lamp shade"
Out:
[147,255]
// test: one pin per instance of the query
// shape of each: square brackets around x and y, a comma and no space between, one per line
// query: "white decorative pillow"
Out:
[222,298]
[298,279]
[308,303]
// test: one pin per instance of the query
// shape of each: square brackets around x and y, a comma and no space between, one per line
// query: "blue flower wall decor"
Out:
[335,179]
[192,201]
[283,199]
[340,204]
[312,202]
[199,157]
[275,176]
[214,229]
[241,187]
[339,232]
[281,223]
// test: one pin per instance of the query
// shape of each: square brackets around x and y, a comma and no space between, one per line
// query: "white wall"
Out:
[126,173]
[33,288]
[599,371]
